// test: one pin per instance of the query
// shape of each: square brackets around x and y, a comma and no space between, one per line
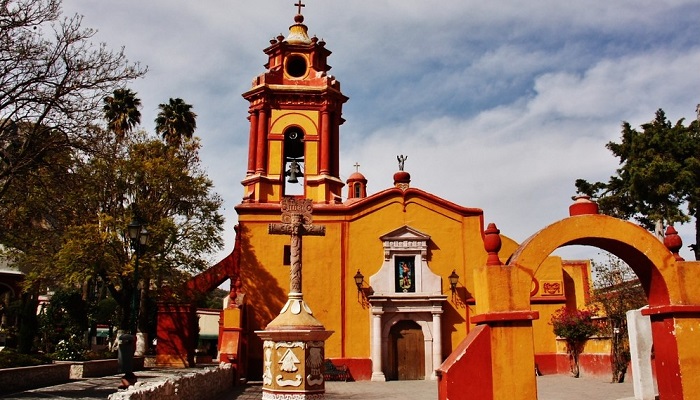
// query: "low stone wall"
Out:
[205,384]
[90,369]
[25,378]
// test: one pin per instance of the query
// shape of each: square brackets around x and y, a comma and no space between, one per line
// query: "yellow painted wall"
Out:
[282,119]
[274,166]
[311,159]
[352,242]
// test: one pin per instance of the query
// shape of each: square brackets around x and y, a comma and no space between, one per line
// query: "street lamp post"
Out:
[138,236]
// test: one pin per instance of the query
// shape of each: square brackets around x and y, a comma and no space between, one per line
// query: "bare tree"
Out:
[616,291]
[53,79]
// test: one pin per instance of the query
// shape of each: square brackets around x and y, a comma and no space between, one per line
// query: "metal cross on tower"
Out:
[296,222]
[300,5]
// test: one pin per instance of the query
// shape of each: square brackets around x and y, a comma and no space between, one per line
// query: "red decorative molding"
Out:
[505,316]
[548,299]
[672,309]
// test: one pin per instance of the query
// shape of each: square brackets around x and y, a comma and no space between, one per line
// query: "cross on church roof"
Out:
[357,166]
[299,5]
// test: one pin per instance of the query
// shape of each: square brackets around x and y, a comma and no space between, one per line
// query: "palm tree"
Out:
[122,112]
[176,121]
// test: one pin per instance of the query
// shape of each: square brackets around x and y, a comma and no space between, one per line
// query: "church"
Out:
[393,275]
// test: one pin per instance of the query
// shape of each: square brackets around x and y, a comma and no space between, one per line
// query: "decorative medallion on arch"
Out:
[405,290]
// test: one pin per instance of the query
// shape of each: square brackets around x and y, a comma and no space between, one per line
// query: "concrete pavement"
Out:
[550,387]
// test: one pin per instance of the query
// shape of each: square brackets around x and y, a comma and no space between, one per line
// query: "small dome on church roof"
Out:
[356,176]
[402,180]
[402,177]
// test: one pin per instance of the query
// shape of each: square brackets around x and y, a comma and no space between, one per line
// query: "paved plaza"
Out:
[550,387]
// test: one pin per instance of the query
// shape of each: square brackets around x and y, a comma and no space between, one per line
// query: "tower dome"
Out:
[357,184]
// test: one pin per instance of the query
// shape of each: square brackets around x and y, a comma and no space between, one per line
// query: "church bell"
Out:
[293,172]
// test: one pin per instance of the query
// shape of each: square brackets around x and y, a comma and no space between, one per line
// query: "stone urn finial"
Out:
[583,205]
[673,242]
[492,244]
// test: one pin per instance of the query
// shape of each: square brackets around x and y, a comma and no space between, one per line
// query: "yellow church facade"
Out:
[393,276]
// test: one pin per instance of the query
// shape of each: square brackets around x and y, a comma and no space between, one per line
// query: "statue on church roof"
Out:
[402,159]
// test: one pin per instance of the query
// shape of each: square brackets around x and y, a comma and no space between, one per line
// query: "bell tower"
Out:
[295,115]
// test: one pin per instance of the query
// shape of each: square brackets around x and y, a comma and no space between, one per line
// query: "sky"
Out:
[499,105]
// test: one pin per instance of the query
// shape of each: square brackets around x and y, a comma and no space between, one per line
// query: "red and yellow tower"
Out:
[295,115]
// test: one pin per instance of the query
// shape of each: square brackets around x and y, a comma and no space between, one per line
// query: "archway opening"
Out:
[406,352]
[667,283]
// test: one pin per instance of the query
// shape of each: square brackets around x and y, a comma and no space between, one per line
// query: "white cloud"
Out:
[498,105]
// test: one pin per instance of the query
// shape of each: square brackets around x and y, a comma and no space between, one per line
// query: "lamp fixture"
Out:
[359,279]
[134,229]
[138,235]
[454,278]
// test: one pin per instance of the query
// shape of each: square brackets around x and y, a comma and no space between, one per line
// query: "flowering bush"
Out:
[68,350]
[575,327]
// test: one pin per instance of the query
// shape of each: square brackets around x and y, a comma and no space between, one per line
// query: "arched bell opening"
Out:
[294,165]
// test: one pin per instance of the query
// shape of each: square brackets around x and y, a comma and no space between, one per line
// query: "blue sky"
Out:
[499,105]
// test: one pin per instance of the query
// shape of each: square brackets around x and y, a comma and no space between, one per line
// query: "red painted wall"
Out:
[590,364]
[177,327]
[467,371]
[360,368]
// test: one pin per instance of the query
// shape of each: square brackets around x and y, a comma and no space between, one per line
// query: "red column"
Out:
[336,144]
[325,142]
[261,151]
[252,142]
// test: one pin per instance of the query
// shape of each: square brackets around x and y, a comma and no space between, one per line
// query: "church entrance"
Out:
[407,351]
[406,310]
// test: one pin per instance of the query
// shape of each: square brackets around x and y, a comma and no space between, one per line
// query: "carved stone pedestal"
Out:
[294,342]
[293,354]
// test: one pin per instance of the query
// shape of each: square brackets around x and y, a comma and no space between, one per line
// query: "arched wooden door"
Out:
[407,351]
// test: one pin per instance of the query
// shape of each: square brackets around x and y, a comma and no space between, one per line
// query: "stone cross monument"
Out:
[296,222]
[294,342]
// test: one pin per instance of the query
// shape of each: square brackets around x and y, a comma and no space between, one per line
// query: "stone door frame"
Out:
[424,310]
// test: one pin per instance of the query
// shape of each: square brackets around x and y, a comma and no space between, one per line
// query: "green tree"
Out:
[616,290]
[658,181]
[52,82]
[213,299]
[66,226]
[171,194]
[122,112]
[176,121]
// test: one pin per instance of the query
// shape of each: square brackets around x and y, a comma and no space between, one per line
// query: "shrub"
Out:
[12,359]
[99,355]
[575,327]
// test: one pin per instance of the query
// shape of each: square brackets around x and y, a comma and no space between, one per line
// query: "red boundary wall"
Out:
[468,368]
